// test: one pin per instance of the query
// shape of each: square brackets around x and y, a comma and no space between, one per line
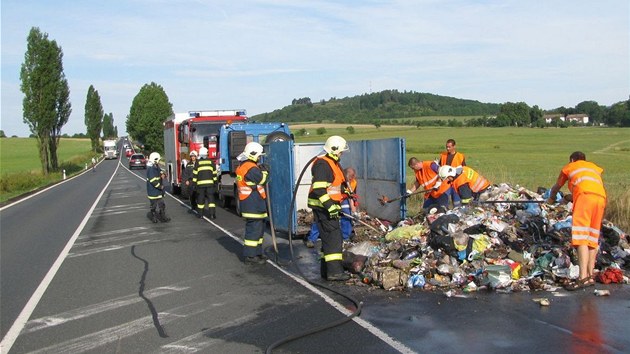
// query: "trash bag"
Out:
[440,225]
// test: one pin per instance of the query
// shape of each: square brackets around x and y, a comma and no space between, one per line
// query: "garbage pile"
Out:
[508,241]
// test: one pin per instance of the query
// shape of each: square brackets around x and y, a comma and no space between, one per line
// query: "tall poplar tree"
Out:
[93,117]
[149,109]
[46,106]
[108,126]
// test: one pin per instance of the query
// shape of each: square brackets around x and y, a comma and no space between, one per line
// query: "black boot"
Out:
[154,216]
[163,217]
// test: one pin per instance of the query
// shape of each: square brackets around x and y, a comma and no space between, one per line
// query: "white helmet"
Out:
[155,157]
[203,152]
[253,151]
[193,153]
[446,171]
[335,145]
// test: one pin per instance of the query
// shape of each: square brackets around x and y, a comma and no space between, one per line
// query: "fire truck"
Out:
[225,133]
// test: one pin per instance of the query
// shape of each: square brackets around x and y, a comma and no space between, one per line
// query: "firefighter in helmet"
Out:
[325,198]
[251,178]
[155,189]
[205,176]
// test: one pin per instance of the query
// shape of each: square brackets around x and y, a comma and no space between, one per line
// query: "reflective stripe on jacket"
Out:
[245,186]
[583,177]
[476,182]
[332,188]
[205,173]
[427,178]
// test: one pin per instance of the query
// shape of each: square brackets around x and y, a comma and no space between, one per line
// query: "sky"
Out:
[259,55]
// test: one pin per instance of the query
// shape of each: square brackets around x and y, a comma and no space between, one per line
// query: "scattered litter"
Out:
[506,247]
[543,301]
[601,292]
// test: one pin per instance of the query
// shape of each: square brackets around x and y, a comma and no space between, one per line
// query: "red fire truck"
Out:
[185,132]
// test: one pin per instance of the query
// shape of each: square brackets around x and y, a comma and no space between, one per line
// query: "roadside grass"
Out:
[21,168]
[530,158]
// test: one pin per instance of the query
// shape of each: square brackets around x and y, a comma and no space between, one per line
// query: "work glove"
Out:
[551,200]
[263,167]
[334,211]
[408,192]
[437,185]
[356,215]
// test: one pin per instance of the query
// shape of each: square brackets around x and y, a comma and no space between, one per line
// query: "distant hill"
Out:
[388,104]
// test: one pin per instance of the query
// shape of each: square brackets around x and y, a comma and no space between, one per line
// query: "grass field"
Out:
[20,154]
[21,170]
[527,157]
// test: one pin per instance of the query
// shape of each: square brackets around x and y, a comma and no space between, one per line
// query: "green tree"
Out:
[350,130]
[93,117]
[2,135]
[149,109]
[64,108]
[321,131]
[108,126]
[594,111]
[46,106]
[536,117]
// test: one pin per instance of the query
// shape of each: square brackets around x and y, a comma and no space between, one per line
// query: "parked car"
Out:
[128,152]
[137,161]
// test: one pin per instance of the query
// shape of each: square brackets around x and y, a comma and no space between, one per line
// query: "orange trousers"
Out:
[588,213]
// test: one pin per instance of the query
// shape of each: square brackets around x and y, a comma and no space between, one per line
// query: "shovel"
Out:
[384,200]
[512,201]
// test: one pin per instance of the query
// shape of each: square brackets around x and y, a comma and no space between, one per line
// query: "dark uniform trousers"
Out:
[332,241]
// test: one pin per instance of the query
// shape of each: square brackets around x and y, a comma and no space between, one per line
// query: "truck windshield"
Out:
[199,130]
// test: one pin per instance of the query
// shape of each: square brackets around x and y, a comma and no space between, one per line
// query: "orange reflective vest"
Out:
[333,189]
[476,181]
[353,188]
[583,177]
[457,161]
[245,188]
[426,178]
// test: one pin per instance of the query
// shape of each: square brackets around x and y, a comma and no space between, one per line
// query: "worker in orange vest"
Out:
[426,173]
[589,201]
[466,182]
[251,178]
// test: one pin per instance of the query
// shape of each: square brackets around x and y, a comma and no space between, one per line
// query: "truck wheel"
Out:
[277,136]
[237,202]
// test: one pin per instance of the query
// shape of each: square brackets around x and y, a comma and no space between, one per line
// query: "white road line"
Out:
[45,189]
[20,321]
[113,334]
[87,311]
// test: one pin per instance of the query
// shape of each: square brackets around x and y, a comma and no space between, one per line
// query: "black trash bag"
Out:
[611,237]
[443,242]
[440,225]
[476,229]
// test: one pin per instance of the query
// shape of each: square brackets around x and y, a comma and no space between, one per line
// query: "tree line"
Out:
[46,105]
[414,108]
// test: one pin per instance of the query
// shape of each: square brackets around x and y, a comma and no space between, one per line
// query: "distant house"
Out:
[578,118]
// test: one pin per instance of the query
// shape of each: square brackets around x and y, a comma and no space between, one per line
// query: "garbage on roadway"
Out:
[503,247]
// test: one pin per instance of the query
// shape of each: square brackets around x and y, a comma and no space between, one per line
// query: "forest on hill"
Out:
[415,108]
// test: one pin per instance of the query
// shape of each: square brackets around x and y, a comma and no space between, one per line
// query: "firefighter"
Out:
[251,179]
[426,173]
[155,189]
[466,182]
[589,200]
[325,198]
[187,179]
[204,180]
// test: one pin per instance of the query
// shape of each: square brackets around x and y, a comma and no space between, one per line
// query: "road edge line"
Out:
[12,334]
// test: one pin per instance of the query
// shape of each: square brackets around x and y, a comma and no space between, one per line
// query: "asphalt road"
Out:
[130,286]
